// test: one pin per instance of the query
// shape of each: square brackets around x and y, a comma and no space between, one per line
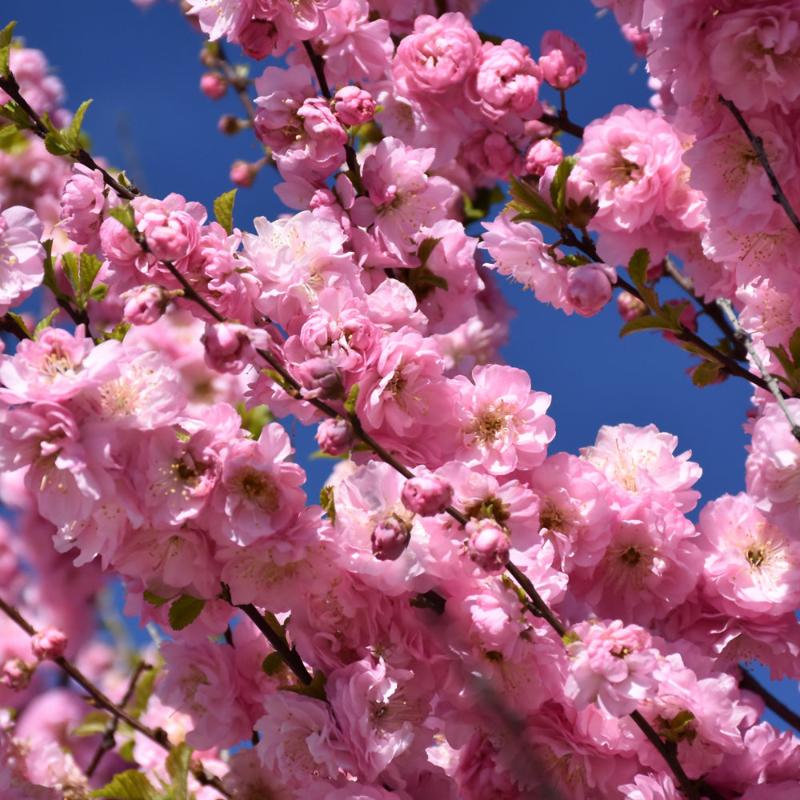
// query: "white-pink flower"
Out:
[21,255]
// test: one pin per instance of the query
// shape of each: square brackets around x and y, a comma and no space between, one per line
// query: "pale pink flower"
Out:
[751,568]
[82,204]
[260,488]
[171,227]
[611,665]
[504,424]
[563,61]
[640,460]
[21,255]
[353,106]
[651,787]
[541,155]
[589,288]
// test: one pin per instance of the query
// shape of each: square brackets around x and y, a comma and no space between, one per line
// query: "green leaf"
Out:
[49,280]
[184,611]
[273,664]
[99,291]
[254,419]
[426,248]
[142,693]
[72,133]
[81,272]
[129,785]
[558,188]
[647,322]
[178,762]
[19,320]
[478,208]
[13,113]
[12,139]
[315,689]
[153,599]
[706,373]
[223,209]
[125,215]
[794,347]
[93,723]
[530,205]
[45,323]
[117,332]
[326,500]
[352,399]
[6,35]
[637,267]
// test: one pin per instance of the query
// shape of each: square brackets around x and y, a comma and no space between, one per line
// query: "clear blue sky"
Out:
[149,116]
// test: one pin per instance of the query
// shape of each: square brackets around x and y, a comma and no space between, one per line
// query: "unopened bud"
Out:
[353,106]
[243,174]
[427,495]
[144,305]
[335,436]
[49,643]
[488,545]
[390,538]
[15,674]
[230,124]
[213,85]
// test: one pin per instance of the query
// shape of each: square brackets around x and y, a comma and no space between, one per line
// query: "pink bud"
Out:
[49,643]
[321,377]
[15,674]
[334,436]
[353,105]
[242,173]
[488,545]
[630,307]
[213,85]
[638,38]
[563,61]
[228,346]
[589,288]
[144,305]
[390,538]
[543,154]
[427,495]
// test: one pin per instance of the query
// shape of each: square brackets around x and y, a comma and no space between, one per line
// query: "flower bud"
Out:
[321,377]
[541,155]
[213,85]
[144,305]
[353,106]
[589,288]
[488,544]
[563,61]
[229,124]
[15,674]
[390,538]
[629,306]
[243,174]
[228,346]
[334,436]
[427,495]
[49,643]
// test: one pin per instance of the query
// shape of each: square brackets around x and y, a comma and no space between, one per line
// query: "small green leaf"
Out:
[81,270]
[56,144]
[177,764]
[117,332]
[13,113]
[223,209]
[706,373]
[129,785]
[315,690]
[794,347]
[326,500]
[20,321]
[570,637]
[12,139]
[45,323]
[530,205]
[637,266]
[273,664]
[254,419]
[153,599]
[558,188]
[426,248]
[72,134]
[143,692]
[647,322]
[93,723]
[99,292]
[6,35]
[352,399]
[184,611]
[124,214]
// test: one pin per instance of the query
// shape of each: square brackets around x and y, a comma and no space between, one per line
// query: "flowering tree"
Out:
[464,614]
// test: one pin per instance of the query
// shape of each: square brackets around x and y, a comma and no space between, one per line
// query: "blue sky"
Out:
[142,70]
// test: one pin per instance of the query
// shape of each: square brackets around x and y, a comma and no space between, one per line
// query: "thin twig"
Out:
[108,741]
[563,123]
[748,682]
[156,735]
[779,196]
[769,379]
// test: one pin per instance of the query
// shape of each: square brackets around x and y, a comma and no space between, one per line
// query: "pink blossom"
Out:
[49,643]
[171,227]
[43,90]
[438,56]
[353,106]
[260,489]
[144,305]
[563,60]
[506,82]
[21,255]
[427,494]
[589,288]
[542,154]
[641,460]
[611,665]
[651,787]
[213,85]
[503,423]
[751,568]
[753,56]
[488,545]
[82,204]
[335,436]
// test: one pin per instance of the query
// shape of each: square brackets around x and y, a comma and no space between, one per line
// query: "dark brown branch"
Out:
[157,735]
[779,196]
[748,682]
[562,123]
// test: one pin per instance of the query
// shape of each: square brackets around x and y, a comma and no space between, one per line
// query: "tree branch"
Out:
[748,682]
